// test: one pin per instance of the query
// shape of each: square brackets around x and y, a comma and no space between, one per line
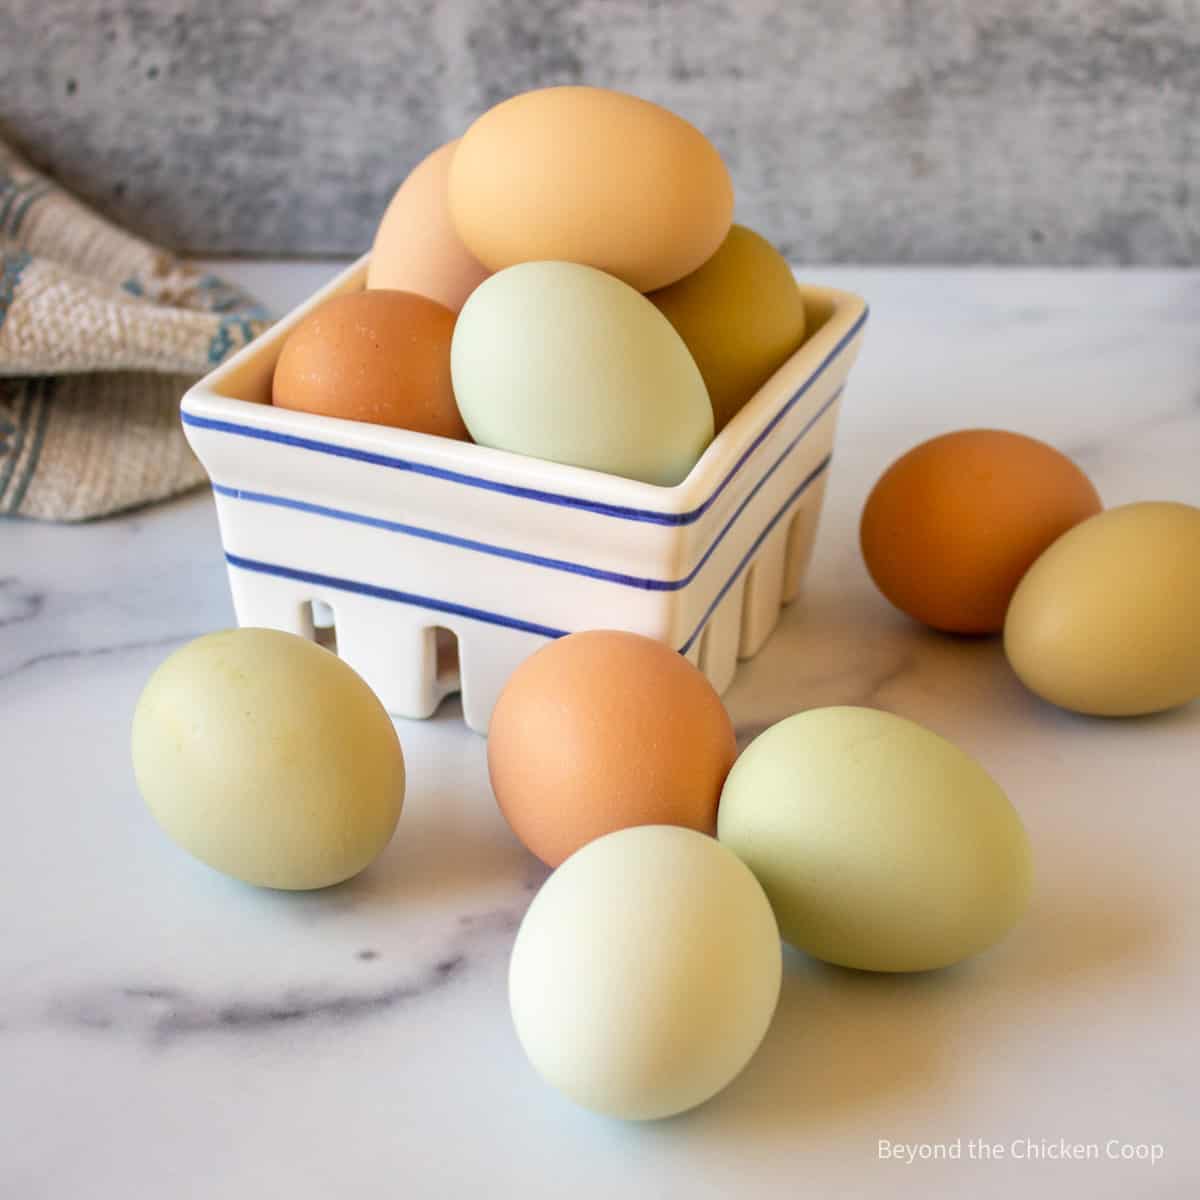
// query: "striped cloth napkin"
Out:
[100,334]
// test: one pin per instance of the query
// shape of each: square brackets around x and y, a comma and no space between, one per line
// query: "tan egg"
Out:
[740,314]
[417,248]
[377,356]
[602,731]
[952,525]
[1107,621]
[586,175]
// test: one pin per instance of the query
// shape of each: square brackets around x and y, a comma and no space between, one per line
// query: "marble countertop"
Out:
[167,1032]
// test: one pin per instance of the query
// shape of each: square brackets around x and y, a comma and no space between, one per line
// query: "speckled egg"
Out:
[377,356]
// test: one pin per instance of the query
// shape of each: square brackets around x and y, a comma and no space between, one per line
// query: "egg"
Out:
[563,362]
[880,845]
[1107,621]
[268,758]
[377,356]
[603,730]
[953,525]
[586,175]
[741,315]
[417,248]
[645,973]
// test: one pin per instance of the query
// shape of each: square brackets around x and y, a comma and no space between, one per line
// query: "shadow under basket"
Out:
[433,566]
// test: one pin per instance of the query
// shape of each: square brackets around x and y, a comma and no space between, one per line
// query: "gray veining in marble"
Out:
[915,131]
[161,1014]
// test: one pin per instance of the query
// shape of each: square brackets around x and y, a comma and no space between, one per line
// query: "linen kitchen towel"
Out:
[100,335]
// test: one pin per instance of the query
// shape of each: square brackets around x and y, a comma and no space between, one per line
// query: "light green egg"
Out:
[268,758]
[880,844]
[564,362]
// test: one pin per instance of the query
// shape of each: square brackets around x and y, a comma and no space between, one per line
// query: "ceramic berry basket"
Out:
[396,537]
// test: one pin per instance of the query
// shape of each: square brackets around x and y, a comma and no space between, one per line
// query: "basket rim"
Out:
[207,406]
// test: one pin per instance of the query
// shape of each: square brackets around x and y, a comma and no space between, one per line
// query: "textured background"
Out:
[1055,131]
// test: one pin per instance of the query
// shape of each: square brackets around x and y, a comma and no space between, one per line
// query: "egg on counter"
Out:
[377,356]
[953,525]
[563,362]
[880,845]
[741,315]
[417,249]
[1107,621]
[645,973]
[586,175]
[268,758]
[602,730]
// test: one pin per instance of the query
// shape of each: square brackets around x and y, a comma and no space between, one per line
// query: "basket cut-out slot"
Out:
[320,623]
[445,659]
[802,534]
[719,651]
[763,594]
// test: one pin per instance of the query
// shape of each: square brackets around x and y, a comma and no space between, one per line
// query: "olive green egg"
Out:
[880,845]
[561,361]
[741,315]
[268,758]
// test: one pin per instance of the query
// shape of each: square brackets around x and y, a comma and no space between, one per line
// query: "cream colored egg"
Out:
[645,972]
[1107,620]
[563,362]
[881,845]
[268,758]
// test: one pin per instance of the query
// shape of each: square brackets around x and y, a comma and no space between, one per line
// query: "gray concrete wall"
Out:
[1048,131]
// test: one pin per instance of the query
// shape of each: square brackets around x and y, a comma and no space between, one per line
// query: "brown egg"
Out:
[603,730]
[377,356]
[417,248]
[953,525]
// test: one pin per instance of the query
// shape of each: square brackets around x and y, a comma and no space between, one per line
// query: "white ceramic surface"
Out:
[167,1033]
[397,534]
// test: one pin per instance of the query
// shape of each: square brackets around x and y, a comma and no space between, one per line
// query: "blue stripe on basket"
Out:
[492,618]
[382,593]
[539,560]
[620,511]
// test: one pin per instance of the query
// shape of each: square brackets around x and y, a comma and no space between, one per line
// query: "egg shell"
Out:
[587,175]
[881,845]
[740,314]
[376,356]
[603,730]
[566,363]
[417,249]
[268,758]
[953,525]
[1107,621]
[645,973]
